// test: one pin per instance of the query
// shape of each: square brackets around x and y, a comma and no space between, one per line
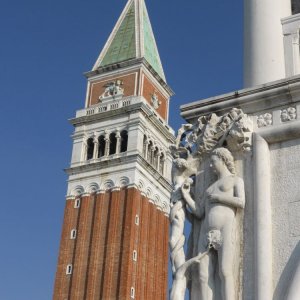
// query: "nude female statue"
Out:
[218,211]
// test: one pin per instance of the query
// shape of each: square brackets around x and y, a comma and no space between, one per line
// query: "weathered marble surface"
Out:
[212,200]
[285,183]
[269,260]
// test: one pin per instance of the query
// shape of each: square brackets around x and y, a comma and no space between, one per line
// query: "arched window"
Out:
[90,148]
[113,143]
[101,151]
[124,141]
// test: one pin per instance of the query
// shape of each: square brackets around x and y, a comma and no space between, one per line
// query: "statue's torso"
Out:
[218,215]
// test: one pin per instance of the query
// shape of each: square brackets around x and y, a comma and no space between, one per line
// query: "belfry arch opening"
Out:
[124,141]
[113,143]
[90,148]
[101,151]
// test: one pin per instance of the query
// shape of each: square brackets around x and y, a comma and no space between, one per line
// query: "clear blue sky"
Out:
[45,48]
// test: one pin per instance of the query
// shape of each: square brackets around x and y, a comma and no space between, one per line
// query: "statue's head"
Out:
[221,157]
[180,164]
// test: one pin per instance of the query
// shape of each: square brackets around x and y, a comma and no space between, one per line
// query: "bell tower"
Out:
[114,242]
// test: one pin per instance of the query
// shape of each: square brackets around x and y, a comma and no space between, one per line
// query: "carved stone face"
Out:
[216,163]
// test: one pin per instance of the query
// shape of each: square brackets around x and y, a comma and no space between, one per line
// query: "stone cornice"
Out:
[129,63]
[166,130]
[274,94]
[111,162]
[280,133]
[103,163]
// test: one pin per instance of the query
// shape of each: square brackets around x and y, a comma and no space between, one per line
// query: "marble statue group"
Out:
[209,194]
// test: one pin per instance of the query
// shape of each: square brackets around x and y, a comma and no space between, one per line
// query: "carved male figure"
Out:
[218,212]
[182,170]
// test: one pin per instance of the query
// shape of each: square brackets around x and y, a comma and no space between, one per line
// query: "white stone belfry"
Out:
[263,40]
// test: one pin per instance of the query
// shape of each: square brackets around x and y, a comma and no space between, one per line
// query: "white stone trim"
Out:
[116,189]
[135,255]
[73,234]
[78,191]
[92,188]
[77,203]
[132,292]
[148,188]
[137,220]
[108,184]
[69,269]
[124,181]
[138,29]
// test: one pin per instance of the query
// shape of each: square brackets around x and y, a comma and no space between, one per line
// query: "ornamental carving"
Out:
[288,114]
[264,120]
[154,100]
[208,193]
[112,89]
[233,129]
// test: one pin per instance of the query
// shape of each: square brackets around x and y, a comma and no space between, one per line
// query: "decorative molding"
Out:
[110,185]
[233,129]
[124,181]
[112,90]
[113,108]
[149,193]
[78,191]
[92,188]
[288,114]
[264,120]
[116,189]
[155,102]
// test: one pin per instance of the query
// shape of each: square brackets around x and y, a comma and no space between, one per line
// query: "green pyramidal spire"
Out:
[132,38]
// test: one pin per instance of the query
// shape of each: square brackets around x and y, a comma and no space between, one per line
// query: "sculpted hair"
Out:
[227,158]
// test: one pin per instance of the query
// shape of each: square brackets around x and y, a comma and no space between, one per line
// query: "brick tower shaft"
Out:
[114,242]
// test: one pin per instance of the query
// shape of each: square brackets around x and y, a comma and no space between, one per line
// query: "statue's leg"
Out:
[226,261]
[178,288]
[204,272]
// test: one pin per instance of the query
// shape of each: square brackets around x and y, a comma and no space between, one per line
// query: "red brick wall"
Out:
[148,90]
[102,253]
